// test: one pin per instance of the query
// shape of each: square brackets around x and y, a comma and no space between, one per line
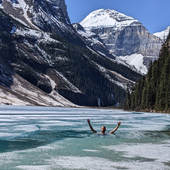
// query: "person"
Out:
[103,129]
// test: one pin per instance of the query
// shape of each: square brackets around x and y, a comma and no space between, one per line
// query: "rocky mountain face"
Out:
[42,15]
[37,14]
[125,38]
[44,61]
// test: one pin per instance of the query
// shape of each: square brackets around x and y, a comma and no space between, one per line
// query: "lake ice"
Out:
[44,138]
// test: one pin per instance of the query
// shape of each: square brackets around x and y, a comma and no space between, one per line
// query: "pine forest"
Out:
[152,92]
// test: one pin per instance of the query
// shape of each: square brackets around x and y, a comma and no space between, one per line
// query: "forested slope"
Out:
[152,92]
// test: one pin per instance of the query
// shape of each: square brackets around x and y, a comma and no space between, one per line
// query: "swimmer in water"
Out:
[103,129]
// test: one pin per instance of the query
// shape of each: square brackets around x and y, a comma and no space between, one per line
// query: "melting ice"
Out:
[43,138]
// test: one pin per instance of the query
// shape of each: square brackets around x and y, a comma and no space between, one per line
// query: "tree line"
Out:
[152,92]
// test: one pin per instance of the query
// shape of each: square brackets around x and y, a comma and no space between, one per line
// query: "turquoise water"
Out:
[41,138]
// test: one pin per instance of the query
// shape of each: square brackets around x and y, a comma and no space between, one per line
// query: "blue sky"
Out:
[153,14]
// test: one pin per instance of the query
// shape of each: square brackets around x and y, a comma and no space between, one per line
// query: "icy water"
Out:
[40,138]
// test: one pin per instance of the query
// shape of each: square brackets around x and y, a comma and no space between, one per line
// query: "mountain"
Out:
[44,61]
[152,92]
[163,34]
[46,15]
[42,15]
[124,37]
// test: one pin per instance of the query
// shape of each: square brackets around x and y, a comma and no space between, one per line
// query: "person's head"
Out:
[103,129]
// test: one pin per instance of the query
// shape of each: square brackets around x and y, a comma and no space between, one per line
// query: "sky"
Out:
[153,14]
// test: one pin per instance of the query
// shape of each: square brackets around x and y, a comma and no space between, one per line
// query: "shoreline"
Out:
[90,107]
[149,111]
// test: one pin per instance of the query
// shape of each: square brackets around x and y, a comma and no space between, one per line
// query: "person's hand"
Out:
[88,120]
[119,123]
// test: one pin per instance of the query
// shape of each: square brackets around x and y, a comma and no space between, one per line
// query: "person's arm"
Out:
[88,121]
[118,124]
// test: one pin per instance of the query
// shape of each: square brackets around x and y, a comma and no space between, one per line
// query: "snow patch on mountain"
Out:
[106,18]
[93,38]
[163,34]
[39,35]
[21,4]
[22,7]
[86,33]
[135,60]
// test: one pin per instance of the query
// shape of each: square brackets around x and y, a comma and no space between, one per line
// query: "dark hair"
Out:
[104,127]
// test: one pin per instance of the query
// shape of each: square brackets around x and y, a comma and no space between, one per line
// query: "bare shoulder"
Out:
[101,133]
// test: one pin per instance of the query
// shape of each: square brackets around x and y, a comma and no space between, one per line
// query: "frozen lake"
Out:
[41,138]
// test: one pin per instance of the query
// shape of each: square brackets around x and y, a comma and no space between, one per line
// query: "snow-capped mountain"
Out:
[107,18]
[44,61]
[163,34]
[124,37]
